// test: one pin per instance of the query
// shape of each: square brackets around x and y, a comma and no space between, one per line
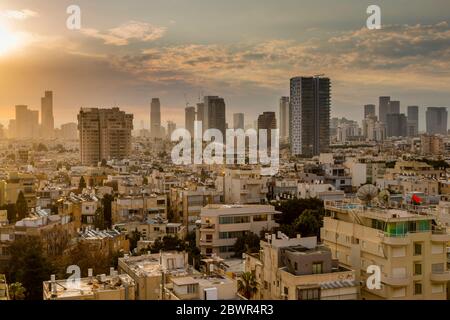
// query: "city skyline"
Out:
[151,51]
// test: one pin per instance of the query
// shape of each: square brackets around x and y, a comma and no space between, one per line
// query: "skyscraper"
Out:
[171,127]
[238,121]
[369,110]
[284,118]
[105,134]
[396,125]
[437,118]
[267,121]
[189,119]
[310,115]
[394,107]
[383,108]
[413,121]
[155,118]
[47,119]
[27,123]
[214,114]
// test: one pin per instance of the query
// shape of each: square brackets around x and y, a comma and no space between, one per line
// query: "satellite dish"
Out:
[384,197]
[367,193]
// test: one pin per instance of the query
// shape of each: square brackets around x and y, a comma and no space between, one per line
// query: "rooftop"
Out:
[87,286]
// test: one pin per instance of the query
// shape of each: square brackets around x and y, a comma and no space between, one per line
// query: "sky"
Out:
[128,52]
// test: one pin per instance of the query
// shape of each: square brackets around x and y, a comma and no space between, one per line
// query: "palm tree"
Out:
[16,291]
[247,285]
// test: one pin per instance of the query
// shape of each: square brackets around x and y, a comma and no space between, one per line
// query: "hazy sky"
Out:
[245,51]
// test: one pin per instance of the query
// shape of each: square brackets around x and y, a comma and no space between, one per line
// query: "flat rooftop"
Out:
[88,286]
[385,214]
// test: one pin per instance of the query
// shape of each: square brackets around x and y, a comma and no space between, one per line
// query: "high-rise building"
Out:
[27,123]
[69,131]
[284,118]
[200,111]
[267,121]
[394,107]
[105,134]
[383,108]
[155,118]
[437,118]
[171,127]
[214,114]
[396,125]
[402,242]
[310,115]
[238,121]
[189,119]
[369,110]
[47,119]
[431,145]
[413,121]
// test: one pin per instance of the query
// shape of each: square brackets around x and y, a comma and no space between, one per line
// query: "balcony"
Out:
[394,240]
[395,281]
[439,236]
[208,227]
[440,276]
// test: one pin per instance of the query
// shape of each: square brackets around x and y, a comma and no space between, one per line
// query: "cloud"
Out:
[123,34]
[402,53]
[19,14]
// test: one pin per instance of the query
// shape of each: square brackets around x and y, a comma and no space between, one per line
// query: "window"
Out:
[417,269]
[191,288]
[296,266]
[261,217]
[308,294]
[235,219]
[417,249]
[317,268]
[417,288]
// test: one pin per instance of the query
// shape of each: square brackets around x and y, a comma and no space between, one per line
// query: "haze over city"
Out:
[126,54]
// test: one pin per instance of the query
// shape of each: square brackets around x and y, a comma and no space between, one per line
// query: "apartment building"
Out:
[407,247]
[81,208]
[104,134]
[102,287]
[3,288]
[151,270]
[222,225]
[125,208]
[106,241]
[186,205]
[299,269]
[16,183]
[244,186]
[152,229]
[201,287]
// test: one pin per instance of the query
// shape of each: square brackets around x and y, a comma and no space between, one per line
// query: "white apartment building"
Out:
[222,225]
[299,269]
[244,186]
[409,249]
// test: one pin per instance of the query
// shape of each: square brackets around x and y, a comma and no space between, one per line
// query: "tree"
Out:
[247,243]
[309,223]
[17,291]
[247,285]
[107,210]
[99,220]
[21,206]
[168,243]
[29,266]
[82,184]
[292,209]
[145,181]
[11,210]
[134,238]
[104,163]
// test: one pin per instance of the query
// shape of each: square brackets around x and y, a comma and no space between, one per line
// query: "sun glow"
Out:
[8,40]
